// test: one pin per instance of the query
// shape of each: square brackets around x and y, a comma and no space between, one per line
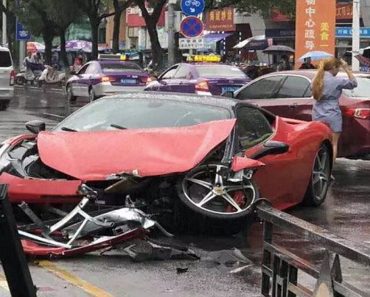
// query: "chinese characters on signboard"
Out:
[191,43]
[315,26]
[344,11]
[220,19]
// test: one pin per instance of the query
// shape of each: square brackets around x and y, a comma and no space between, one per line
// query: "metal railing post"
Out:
[11,252]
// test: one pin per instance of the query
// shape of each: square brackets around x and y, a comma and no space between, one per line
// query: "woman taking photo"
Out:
[326,89]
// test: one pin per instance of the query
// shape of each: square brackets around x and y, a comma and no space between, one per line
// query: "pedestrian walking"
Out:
[326,89]
[307,64]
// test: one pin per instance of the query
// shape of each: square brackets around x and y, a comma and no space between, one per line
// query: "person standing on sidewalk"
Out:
[326,89]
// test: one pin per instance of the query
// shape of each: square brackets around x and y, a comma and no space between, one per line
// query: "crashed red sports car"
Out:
[211,155]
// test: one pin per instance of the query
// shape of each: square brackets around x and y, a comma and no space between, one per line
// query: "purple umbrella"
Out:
[78,45]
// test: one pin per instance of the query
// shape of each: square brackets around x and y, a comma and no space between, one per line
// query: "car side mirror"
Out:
[240,163]
[271,147]
[35,126]
[229,94]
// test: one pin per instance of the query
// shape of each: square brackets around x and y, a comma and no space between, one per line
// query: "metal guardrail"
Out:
[11,252]
[280,267]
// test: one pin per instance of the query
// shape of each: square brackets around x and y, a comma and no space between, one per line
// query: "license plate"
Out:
[128,81]
[230,89]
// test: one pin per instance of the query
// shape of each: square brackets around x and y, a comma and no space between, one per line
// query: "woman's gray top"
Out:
[327,108]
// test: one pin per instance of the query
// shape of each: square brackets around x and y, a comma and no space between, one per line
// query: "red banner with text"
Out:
[315,27]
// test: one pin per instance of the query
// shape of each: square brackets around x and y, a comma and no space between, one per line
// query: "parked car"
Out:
[202,79]
[105,77]
[7,76]
[213,156]
[288,94]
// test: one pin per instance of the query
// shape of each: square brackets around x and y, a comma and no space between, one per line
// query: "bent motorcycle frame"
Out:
[46,246]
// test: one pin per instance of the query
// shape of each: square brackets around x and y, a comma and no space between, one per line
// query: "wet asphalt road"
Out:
[345,213]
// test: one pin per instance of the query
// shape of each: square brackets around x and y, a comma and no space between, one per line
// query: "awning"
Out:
[215,37]
[258,42]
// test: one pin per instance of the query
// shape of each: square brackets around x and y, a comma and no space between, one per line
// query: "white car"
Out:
[7,76]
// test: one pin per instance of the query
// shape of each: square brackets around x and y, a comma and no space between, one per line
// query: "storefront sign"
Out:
[191,43]
[344,11]
[220,20]
[346,32]
[315,26]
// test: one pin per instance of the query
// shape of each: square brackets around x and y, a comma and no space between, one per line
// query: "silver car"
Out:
[7,76]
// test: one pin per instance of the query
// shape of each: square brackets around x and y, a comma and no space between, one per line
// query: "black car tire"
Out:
[217,206]
[70,96]
[320,177]
[92,96]
[4,106]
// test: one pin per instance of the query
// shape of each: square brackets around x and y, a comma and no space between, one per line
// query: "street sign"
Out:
[191,43]
[191,27]
[21,33]
[192,7]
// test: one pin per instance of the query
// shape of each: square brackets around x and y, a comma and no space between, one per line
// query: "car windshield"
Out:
[220,71]
[122,113]
[362,89]
[119,67]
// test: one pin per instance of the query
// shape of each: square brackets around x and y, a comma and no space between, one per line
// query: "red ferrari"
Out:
[212,155]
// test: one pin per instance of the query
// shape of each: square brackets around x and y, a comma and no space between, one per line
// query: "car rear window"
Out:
[5,60]
[220,71]
[362,89]
[119,67]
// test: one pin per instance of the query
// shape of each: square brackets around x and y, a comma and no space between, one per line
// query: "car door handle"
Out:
[293,106]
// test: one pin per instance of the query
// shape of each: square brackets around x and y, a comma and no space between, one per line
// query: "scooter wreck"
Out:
[78,232]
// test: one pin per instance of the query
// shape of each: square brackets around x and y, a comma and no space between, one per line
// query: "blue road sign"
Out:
[191,27]
[192,7]
[21,33]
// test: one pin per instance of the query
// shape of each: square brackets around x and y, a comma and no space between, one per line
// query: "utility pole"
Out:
[171,32]
[4,39]
[356,35]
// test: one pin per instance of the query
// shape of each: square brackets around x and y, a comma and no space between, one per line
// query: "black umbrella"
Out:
[278,49]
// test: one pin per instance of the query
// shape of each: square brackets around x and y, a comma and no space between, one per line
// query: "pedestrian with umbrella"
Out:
[326,90]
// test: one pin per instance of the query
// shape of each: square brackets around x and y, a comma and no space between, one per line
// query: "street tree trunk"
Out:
[63,52]
[48,40]
[116,26]
[94,23]
[151,21]
[157,51]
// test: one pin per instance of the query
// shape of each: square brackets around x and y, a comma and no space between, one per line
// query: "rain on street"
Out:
[344,213]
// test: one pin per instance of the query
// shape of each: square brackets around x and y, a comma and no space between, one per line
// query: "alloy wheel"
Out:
[207,190]
[321,174]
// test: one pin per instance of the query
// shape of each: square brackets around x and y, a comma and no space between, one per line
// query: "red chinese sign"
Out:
[220,20]
[344,11]
[315,26]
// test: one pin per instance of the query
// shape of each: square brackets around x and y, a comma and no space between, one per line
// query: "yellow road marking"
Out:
[3,283]
[74,280]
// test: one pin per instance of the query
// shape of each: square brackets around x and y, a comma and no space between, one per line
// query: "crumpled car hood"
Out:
[143,152]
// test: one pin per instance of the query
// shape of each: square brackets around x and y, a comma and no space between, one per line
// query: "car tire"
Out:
[320,177]
[186,221]
[226,200]
[70,96]
[4,106]
[92,96]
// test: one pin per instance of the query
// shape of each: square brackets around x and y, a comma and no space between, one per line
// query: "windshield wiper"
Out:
[68,129]
[118,127]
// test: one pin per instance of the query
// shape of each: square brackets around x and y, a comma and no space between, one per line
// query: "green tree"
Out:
[34,16]
[96,11]
[63,13]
